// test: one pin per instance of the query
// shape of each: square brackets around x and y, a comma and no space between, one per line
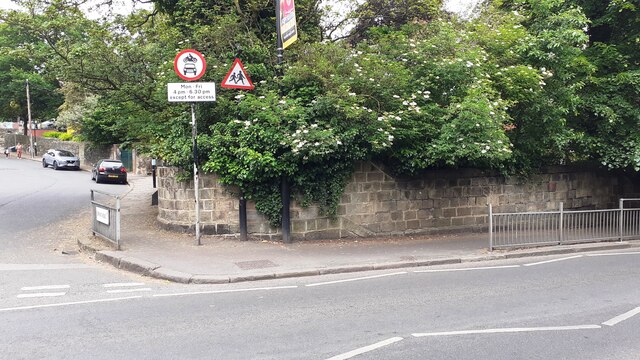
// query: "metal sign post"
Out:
[194,135]
[190,65]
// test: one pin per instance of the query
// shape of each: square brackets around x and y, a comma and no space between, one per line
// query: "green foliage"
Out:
[66,137]
[525,84]
[51,134]
[21,60]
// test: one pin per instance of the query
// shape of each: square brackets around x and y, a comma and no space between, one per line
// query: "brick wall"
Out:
[377,204]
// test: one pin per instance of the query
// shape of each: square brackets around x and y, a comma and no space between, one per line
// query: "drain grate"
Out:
[255,264]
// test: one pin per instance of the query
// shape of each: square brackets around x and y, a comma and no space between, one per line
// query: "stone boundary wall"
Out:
[88,155]
[377,204]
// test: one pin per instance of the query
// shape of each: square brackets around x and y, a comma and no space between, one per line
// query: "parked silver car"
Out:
[60,159]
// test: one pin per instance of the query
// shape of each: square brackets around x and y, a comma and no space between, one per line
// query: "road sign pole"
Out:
[194,134]
[29,117]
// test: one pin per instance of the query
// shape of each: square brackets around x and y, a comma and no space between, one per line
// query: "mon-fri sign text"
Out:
[191,92]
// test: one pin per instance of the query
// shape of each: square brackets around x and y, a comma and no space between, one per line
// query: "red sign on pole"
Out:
[189,64]
[237,77]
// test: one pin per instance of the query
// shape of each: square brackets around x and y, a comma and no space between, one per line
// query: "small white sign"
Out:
[191,92]
[102,215]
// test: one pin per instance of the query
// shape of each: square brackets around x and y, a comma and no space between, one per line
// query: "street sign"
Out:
[237,77]
[190,65]
[191,92]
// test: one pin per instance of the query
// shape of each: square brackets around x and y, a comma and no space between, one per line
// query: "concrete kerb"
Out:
[153,270]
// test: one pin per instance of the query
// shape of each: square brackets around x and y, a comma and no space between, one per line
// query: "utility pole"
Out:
[284,186]
[29,117]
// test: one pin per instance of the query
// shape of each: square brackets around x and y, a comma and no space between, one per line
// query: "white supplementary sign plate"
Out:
[191,92]
[102,215]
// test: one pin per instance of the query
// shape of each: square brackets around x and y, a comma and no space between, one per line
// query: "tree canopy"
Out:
[523,84]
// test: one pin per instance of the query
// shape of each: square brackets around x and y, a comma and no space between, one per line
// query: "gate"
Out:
[106,217]
[126,156]
[564,227]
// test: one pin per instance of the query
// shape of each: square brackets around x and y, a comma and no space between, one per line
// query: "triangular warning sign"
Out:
[237,77]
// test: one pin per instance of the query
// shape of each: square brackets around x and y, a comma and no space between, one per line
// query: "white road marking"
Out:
[622,317]
[224,291]
[365,349]
[122,284]
[45,287]
[615,254]
[553,260]
[468,269]
[23,267]
[34,295]
[357,279]
[68,303]
[509,330]
[119,291]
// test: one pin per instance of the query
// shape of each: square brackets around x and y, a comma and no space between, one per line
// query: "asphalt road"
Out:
[35,198]
[576,308]
[64,306]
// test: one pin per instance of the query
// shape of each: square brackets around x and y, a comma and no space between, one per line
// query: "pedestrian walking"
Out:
[19,150]
[6,152]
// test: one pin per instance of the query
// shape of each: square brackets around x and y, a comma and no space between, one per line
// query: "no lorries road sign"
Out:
[189,65]
[191,92]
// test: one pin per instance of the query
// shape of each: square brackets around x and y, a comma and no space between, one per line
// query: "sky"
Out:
[123,7]
[452,5]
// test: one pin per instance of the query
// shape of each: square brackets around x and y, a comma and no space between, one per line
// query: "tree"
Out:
[609,120]
[19,62]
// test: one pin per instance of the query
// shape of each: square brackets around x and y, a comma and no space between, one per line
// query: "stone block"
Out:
[359,177]
[413,224]
[298,226]
[448,212]
[436,193]
[425,214]
[402,205]
[360,198]
[386,206]
[322,224]
[427,204]
[374,176]
[371,187]
[382,217]
[388,186]
[410,215]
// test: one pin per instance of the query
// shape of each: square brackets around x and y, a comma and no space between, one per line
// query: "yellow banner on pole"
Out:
[286,18]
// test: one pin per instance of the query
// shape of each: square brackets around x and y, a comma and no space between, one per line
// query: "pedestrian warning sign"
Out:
[237,77]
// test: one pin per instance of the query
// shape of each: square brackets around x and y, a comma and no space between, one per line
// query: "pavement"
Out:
[149,250]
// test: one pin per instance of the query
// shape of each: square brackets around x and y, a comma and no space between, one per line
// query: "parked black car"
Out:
[109,170]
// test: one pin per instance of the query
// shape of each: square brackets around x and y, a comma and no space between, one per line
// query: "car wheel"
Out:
[44,164]
[55,165]
[98,181]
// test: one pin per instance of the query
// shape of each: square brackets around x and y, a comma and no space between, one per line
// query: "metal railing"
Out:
[563,227]
[106,217]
